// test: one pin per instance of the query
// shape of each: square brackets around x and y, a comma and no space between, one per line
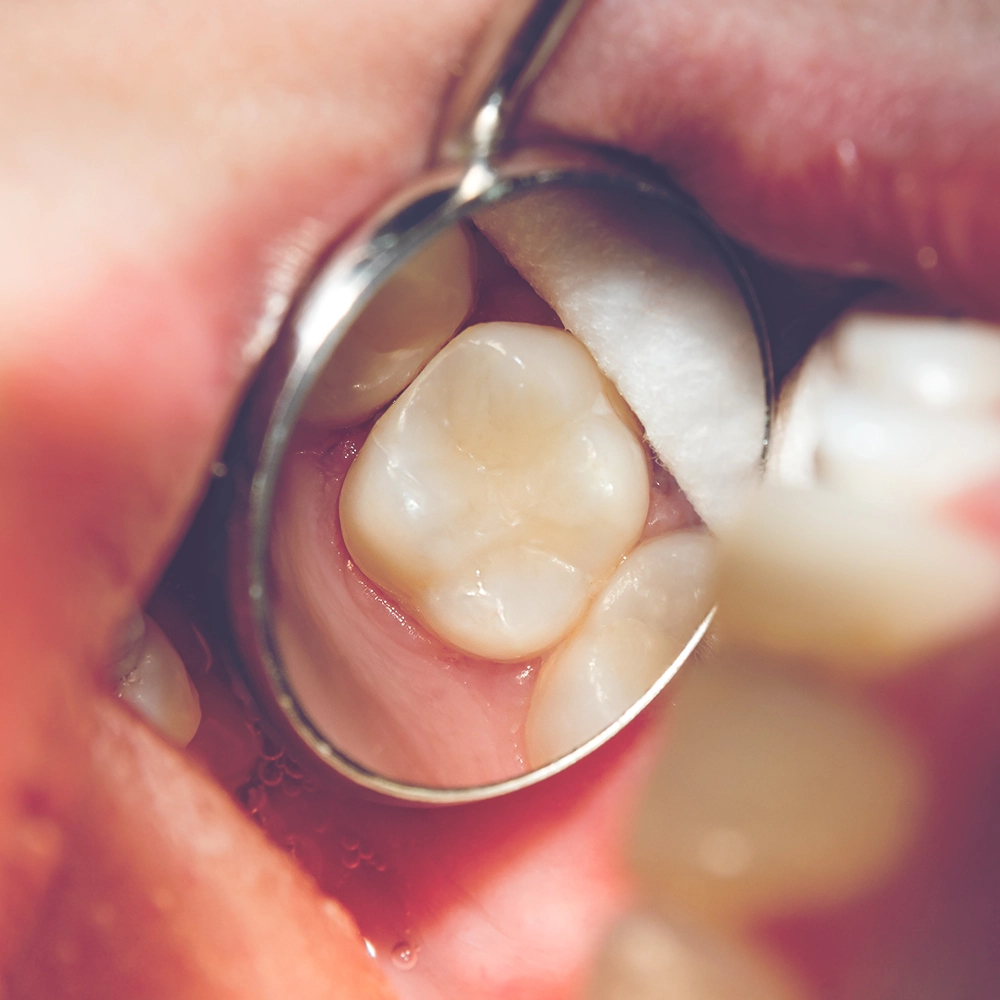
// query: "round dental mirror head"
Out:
[485,461]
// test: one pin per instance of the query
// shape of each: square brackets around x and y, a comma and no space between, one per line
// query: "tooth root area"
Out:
[635,629]
[152,679]
[931,361]
[818,575]
[410,317]
[646,958]
[498,492]
[772,794]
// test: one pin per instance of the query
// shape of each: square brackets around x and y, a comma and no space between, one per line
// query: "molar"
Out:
[499,492]
[151,678]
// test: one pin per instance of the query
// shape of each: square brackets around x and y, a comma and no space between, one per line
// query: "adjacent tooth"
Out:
[652,301]
[772,794]
[152,678]
[634,631]
[499,492]
[645,958]
[899,409]
[932,361]
[409,319]
[893,454]
[817,575]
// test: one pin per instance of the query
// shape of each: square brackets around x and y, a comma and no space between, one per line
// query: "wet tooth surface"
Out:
[646,958]
[933,361]
[772,794]
[411,316]
[155,682]
[819,575]
[635,629]
[498,492]
[656,307]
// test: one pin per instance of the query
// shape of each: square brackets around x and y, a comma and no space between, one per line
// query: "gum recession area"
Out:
[440,716]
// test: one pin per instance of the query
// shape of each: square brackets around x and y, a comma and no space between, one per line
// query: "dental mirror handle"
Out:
[512,51]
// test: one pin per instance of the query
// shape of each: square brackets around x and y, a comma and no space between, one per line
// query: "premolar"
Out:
[635,629]
[774,793]
[151,677]
[821,576]
[410,318]
[499,492]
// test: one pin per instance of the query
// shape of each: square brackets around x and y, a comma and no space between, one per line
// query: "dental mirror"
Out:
[481,470]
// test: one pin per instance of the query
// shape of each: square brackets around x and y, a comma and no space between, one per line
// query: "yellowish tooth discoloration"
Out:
[646,958]
[820,576]
[152,679]
[410,318]
[773,794]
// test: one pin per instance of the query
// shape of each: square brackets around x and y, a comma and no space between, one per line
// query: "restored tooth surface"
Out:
[655,306]
[646,958]
[933,361]
[152,678]
[818,575]
[411,316]
[772,794]
[499,491]
[635,629]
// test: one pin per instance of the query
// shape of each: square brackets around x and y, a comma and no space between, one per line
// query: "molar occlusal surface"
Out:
[499,492]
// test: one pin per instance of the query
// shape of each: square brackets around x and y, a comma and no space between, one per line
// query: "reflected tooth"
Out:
[894,455]
[634,630]
[409,319]
[815,574]
[499,491]
[152,678]
[772,794]
[657,309]
[932,361]
[645,958]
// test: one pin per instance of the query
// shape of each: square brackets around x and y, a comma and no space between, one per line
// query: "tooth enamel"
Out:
[818,575]
[772,794]
[645,958]
[931,361]
[499,492]
[413,315]
[634,630]
[655,306]
[899,409]
[894,454]
[152,678]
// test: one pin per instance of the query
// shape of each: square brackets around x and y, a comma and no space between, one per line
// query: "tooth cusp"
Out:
[638,625]
[499,492]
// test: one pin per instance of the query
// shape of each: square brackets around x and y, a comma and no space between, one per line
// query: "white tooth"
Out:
[499,492]
[414,313]
[634,631]
[931,361]
[657,309]
[152,678]
[895,454]
[772,794]
[818,575]
[645,958]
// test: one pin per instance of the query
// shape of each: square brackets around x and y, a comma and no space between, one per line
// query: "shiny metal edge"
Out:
[342,283]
